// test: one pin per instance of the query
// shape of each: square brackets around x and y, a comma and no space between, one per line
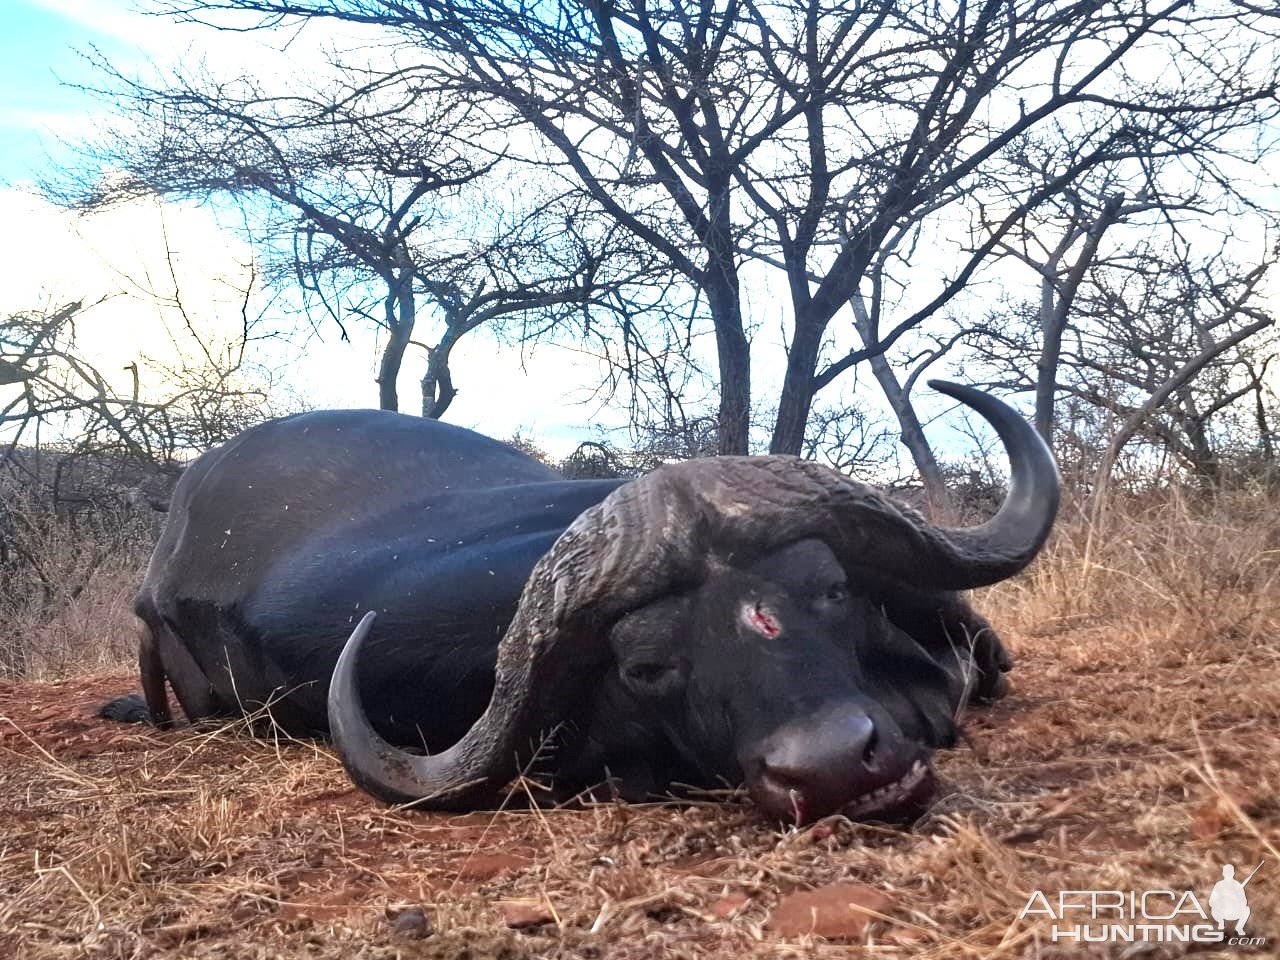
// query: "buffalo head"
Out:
[722,602]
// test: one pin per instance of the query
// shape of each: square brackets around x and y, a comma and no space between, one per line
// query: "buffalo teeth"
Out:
[890,793]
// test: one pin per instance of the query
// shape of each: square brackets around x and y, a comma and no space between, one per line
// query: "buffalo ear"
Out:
[918,692]
[651,646]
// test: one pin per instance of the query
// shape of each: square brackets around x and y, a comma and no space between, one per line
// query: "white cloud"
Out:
[135,261]
[136,268]
[136,37]
[22,119]
[128,24]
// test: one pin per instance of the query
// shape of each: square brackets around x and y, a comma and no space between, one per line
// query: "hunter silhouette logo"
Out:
[1229,901]
[1148,916]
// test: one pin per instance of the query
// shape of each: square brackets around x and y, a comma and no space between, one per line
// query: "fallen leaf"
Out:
[729,905]
[1215,815]
[905,936]
[520,914]
[486,866]
[839,911]
[1060,807]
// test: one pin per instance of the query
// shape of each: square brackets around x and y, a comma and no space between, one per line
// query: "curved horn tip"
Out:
[1002,416]
[342,682]
[351,649]
[958,391]
[367,758]
[1012,538]
[446,780]
[363,627]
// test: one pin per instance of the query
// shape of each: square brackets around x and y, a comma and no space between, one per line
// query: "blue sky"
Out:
[38,54]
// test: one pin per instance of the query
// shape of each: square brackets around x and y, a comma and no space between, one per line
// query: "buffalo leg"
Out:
[190,684]
[151,668]
[989,660]
[161,658]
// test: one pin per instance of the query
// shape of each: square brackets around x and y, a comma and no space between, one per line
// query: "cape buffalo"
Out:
[737,619]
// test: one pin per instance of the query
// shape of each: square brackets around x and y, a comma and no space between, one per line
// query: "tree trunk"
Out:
[437,384]
[1204,460]
[911,432]
[734,357]
[1264,429]
[797,388]
[1053,323]
[1181,376]
[1055,306]
[400,312]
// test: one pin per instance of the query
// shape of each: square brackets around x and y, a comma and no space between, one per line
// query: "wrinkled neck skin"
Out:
[617,747]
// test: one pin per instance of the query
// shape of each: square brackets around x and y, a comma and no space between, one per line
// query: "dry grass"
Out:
[67,581]
[1140,749]
[90,633]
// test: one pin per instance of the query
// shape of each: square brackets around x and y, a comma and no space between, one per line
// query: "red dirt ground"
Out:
[118,841]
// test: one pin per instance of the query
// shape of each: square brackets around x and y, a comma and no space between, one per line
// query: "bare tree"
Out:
[369,215]
[1060,269]
[830,135]
[1165,345]
[848,438]
[1185,351]
[1102,221]
[554,271]
[49,383]
[86,447]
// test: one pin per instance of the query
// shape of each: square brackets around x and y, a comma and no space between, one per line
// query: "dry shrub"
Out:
[67,580]
[1189,574]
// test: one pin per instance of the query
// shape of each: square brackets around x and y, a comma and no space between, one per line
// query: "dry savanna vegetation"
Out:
[736,227]
[1139,750]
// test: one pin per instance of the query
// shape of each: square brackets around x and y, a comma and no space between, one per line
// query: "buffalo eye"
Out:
[836,593]
[653,678]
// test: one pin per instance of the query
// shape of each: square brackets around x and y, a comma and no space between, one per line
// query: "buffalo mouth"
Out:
[903,795]
[901,799]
